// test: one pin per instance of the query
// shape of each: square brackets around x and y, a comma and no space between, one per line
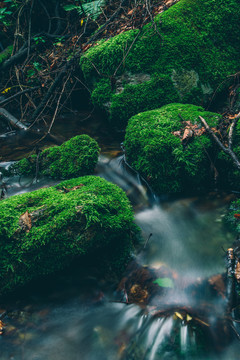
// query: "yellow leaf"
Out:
[6,90]
[189,318]
[179,315]
[81,22]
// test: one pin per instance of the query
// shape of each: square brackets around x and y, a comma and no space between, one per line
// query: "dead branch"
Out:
[71,62]
[230,135]
[14,121]
[227,150]
[3,102]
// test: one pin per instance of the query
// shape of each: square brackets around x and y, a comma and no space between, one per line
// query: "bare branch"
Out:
[18,94]
[227,150]
[230,135]
[9,117]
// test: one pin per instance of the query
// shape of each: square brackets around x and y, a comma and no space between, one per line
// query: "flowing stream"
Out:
[77,316]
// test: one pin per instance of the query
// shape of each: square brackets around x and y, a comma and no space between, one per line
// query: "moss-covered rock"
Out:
[42,231]
[160,156]
[76,157]
[198,47]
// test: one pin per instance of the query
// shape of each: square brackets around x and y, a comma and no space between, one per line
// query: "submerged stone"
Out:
[76,157]
[156,148]
[43,231]
[188,59]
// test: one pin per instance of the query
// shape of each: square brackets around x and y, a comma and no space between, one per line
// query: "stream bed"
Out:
[78,315]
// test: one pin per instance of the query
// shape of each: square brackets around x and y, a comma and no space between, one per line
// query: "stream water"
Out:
[76,316]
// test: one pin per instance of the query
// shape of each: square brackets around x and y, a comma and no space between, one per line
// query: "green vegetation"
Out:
[5,54]
[233,216]
[160,157]
[198,48]
[44,230]
[76,157]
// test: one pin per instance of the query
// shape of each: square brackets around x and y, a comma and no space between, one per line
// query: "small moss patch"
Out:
[42,231]
[169,165]
[76,157]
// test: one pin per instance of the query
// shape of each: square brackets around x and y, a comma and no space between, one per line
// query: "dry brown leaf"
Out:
[130,12]
[66,190]
[177,133]
[25,221]
[138,294]
[188,133]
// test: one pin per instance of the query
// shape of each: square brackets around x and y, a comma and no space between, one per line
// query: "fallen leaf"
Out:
[177,314]
[25,221]
[66,190]
[164,282]
[188,133]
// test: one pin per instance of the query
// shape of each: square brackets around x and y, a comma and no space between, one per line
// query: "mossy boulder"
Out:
[76,157]
[197,49]
[159,155]
[43,231]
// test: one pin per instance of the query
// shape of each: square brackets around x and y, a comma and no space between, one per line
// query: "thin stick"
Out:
[220,144]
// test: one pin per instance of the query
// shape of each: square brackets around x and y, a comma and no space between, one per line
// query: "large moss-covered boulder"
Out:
[42,231]
[76,157]
[155,148]
[195,49]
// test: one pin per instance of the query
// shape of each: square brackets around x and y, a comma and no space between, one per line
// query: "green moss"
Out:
[76,157]
[5,54]
[160,156]
[232,221]
[75,218]
[198,48]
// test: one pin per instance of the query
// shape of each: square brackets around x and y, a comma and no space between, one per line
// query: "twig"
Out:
[230,135]
[58,102]
[69,63]
[227,150]
[30,28]
[3,102]
[146,242]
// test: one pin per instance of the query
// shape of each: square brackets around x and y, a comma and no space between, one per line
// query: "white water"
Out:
[187,237]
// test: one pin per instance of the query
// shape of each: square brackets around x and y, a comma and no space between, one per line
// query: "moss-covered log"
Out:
[198,48]
[154,148]
[76,157]
[42,231]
